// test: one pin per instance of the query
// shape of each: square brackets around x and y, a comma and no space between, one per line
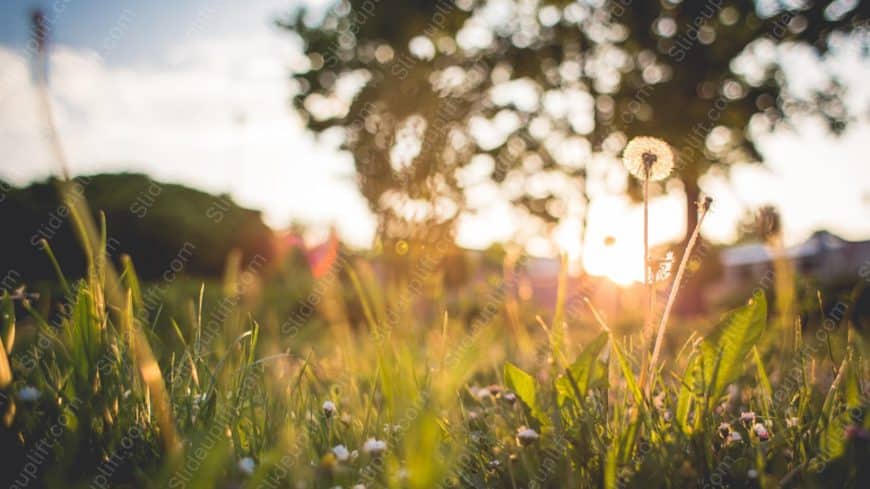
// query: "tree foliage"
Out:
[430,94]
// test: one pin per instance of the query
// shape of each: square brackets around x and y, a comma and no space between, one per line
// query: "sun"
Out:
[619,258]
[614,242]
[616,259]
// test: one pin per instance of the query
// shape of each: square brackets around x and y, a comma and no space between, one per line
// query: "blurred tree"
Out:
[432,94]
[152,222]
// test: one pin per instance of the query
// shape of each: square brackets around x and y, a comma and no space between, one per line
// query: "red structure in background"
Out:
[320,258]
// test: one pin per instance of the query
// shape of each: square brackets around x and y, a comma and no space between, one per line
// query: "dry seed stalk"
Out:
[703,208]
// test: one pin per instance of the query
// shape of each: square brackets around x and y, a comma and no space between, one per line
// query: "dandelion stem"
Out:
[647,317]
[675,286]
[647,311]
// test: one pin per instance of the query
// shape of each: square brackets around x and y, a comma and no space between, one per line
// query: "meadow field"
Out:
[424,244]
[412,391]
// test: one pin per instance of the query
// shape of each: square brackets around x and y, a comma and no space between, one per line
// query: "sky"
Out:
[197,92]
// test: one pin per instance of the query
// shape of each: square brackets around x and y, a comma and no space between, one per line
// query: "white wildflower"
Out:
[374,446]
[527,436]
[329,408]
[29,394]
[761,432]
[247,465]
[341,453]
[481,393]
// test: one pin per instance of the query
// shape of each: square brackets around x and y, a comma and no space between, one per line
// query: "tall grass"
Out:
[418,401]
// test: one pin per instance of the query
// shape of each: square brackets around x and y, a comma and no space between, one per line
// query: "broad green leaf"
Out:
[523,385]
[585,372]
[724,351]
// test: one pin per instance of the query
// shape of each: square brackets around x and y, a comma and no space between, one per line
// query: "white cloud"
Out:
[217,118]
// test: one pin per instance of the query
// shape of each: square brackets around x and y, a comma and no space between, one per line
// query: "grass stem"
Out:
[703,208]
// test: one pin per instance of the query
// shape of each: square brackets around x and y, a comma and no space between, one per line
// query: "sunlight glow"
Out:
[620,262]
[614,243]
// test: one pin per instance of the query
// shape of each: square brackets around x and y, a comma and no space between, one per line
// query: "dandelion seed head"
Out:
[648,156]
